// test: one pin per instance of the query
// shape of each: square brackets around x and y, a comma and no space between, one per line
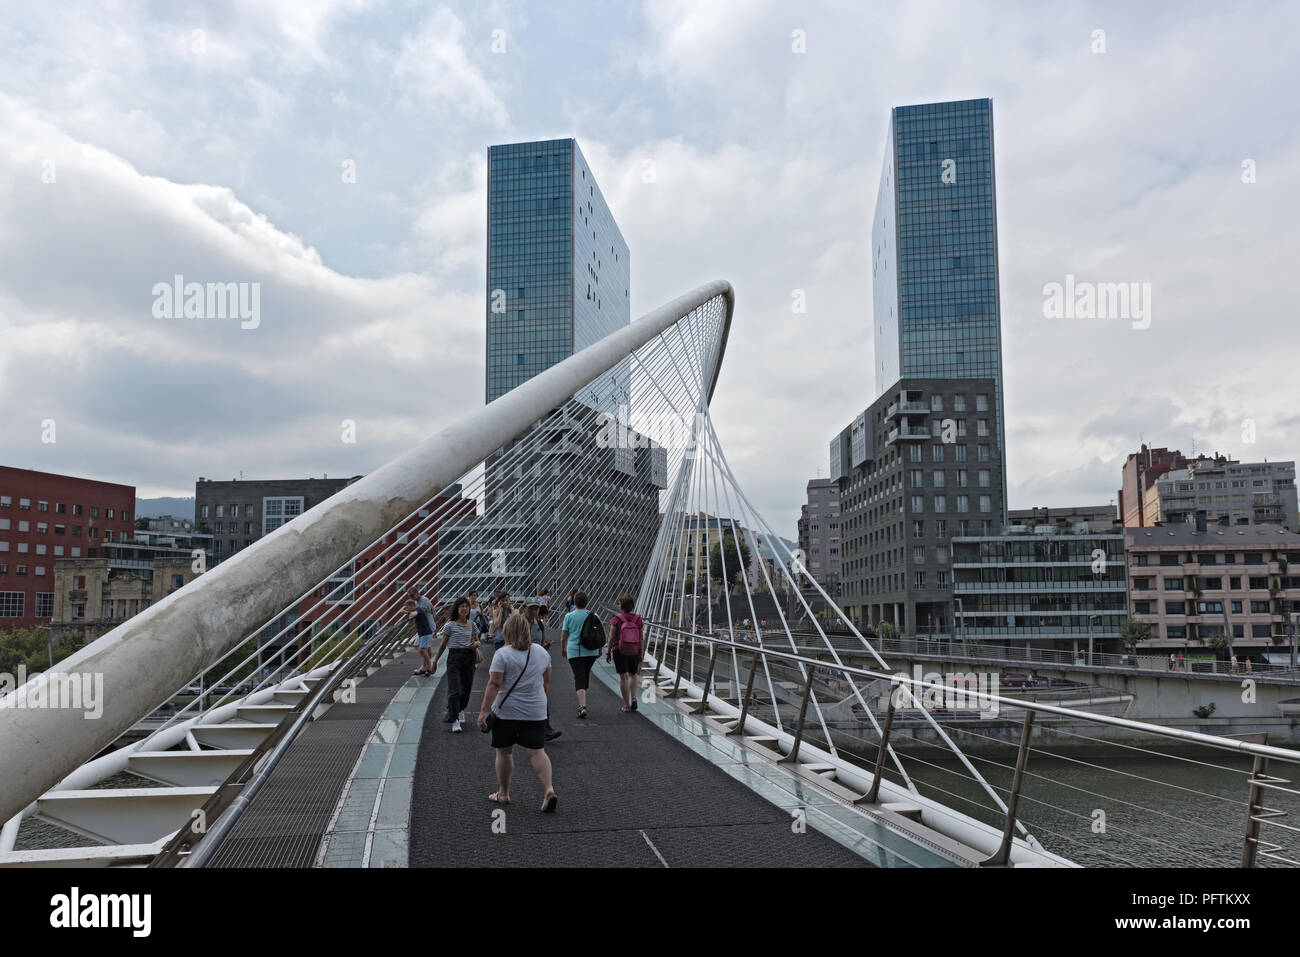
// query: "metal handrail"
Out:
[228,809]
[1225,744]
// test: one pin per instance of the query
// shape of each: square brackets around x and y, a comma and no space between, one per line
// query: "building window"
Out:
[937,453]
[221,511]
[203,511]
[983,451]
[940,504]
[42,506]
[279,510]
[11,604]
[959,403]
[919,579]
[936,403]
[61,508]
[25,504]
[961,478]
[986,503]
[981,403]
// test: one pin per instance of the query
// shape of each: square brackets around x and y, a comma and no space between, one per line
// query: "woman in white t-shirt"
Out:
[520,675]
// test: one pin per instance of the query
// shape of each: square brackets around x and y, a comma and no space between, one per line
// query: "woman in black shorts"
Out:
[626,646]
[520,675]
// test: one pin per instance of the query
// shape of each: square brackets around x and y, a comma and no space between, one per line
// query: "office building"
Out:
[1050,586]
[823,536]
[558,270]
[95,595]
[558,280]
[239,512]
[45,517]
[1240,493]
[915,470]
[1194,582]
[937,307]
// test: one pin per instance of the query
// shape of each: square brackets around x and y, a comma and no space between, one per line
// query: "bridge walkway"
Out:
[630,795]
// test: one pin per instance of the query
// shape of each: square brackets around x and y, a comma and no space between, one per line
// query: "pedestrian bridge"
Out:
[310,743]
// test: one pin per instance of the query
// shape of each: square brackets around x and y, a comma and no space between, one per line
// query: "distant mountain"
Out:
[158,507]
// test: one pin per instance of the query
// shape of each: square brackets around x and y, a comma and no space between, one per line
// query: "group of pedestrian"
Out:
[515,708]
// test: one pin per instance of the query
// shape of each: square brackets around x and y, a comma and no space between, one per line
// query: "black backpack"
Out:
[592,636]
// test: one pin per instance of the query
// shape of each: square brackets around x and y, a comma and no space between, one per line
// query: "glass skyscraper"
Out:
[935,247]
[557,265]
[935,250]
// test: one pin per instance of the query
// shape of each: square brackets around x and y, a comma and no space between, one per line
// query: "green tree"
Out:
[29,647]
[736,556]
[886,631]
[1132,632]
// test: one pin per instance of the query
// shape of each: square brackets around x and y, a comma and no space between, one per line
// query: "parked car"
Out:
[1016,680]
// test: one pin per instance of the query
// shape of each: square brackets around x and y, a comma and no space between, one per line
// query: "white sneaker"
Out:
[455,727]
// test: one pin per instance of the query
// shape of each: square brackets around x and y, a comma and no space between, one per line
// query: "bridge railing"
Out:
[1016,744]
[1019,654]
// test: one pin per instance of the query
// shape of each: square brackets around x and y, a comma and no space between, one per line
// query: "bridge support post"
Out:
[793,756]
[708,683]
[1003,855]
[872,796]
[749,691]
[1254,807]
[677,691]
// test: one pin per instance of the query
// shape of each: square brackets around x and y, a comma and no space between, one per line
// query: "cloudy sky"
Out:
[215,140]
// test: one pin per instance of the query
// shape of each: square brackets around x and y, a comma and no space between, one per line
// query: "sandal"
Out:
[626,709]
[548,806]
[495,798]
[582,711]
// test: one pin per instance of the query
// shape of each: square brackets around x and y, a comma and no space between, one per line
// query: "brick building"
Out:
[45,517]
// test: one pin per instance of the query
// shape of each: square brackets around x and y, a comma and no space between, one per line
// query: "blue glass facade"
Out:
[935,249]
[557,266]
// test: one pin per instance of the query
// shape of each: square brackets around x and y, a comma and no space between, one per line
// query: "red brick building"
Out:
[45,517]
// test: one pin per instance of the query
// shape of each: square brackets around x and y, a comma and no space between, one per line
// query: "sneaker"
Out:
[456,728]
[552,734]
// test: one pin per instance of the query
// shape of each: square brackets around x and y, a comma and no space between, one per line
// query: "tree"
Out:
[1132,633]
[886,631]
[29,648]
[736,557]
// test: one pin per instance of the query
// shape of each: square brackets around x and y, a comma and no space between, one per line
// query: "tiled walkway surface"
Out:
[371,823]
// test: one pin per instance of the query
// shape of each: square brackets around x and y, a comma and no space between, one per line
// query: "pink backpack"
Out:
[627,632]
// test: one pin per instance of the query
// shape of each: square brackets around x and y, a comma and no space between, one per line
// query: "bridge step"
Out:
[186,768]
[909,811]
[259,713]
[123,816]
[232,736]
[290,697]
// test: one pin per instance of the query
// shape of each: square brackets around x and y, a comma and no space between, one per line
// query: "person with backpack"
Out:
[626,645]
[477,614]
[423,633]
[583,640]
[518,716]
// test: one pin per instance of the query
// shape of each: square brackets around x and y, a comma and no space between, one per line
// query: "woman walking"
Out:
[501,612]
[626,647]
[524,670]
[580,658]
[423,633]
[460,639]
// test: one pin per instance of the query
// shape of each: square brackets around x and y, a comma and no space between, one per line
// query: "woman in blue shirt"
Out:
[580,659]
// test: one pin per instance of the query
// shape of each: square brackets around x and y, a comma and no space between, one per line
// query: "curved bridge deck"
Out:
[630,796]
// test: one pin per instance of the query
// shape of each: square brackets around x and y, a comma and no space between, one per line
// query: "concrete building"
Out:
[239,512]
[1195,581]
[1139,473]
[169,523]
[1099,518]
[45,517]
[915,470]
[823,547]
[1242,493]
[1042,586]
[94,595]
